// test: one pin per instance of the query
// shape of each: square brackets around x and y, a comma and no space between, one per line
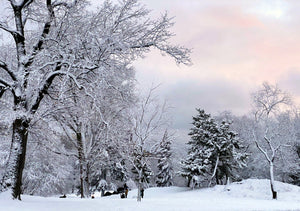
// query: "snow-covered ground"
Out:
[250,194]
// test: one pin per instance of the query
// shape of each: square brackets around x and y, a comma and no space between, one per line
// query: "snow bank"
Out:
[251,194]
[258,189]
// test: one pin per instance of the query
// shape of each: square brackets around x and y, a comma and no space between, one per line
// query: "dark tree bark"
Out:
[189,182]
[274,193]
[84,179]
[13,176]
[217,177]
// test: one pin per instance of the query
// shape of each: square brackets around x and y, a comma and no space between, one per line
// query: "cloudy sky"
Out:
[236,46]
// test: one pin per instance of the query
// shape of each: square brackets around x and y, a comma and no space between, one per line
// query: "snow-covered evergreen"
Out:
[212,150]
[229,152]
[141,170]
[199,159]
[164,177]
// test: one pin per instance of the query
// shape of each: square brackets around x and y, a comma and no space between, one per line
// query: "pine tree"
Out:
[164,176]
[119,171]
[295,173]
[214,150]
[141,170]
[201,150]
[227,149]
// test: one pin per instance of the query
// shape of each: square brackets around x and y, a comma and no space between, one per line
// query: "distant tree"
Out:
[119,171]
[141,169]
[268,102]
[294,174]
[149,118]
[213,151]
[230,155]
[164,177]
[200,158]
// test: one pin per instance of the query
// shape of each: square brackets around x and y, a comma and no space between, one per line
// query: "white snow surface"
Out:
[251,194]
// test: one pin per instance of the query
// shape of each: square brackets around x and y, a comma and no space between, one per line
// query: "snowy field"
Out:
[246,195]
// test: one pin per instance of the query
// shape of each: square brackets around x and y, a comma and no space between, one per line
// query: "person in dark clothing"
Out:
[125,190]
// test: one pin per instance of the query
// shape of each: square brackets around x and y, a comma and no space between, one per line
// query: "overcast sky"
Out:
[236,46]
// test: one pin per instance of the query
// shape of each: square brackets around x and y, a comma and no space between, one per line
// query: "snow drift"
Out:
[251,194]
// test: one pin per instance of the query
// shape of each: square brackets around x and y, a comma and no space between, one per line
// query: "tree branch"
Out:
[5,83]
[271,147]
[39,46]
[10,73]
[7,29]
[2,90]
[44,89]
[263,151]
[215,170]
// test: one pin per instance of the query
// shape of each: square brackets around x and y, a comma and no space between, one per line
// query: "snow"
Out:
[251,194]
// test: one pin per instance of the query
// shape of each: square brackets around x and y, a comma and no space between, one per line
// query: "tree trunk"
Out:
[15,165]
[272,182]
[84,181]
[189,181]
[217,177]
[139,197]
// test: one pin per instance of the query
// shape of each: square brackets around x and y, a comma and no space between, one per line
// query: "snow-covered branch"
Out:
[5,83]
[3,65]
[271,148]
[7,29]
[47,83]
[20,4]
[263,151]
[38,47]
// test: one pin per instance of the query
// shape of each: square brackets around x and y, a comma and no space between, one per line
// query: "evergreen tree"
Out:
[164,176]
[201,151]
[214,150]
[227,149]
[119,171]
[141,170]
[295,173]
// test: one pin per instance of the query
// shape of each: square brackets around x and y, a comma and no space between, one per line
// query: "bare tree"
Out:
[269,101]
[149,124]
[93,123]
[115,35]
[25,103]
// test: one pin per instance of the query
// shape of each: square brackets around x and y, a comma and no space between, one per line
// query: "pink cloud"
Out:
[232,42]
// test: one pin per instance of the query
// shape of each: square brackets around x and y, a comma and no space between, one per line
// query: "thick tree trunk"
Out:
[14,169]
[84,180]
